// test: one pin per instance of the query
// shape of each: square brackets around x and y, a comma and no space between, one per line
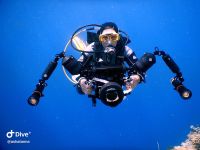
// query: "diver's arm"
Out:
[132,81]
[130,56]
[83,85]
[131,59]
[82,59]
[134,78]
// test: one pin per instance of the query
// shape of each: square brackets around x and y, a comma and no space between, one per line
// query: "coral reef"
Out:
[192,142]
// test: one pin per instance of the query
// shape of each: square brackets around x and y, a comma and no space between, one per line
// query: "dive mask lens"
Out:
[114,37]
[103,38]
[111,37]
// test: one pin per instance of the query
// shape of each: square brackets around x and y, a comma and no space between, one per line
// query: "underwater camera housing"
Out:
[111,94]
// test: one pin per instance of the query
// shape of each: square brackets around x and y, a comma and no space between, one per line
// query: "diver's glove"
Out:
[132,82]
[85,85]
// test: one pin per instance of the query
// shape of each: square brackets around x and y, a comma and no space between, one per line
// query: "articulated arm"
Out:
[177,81]
[149,59]
[37,93]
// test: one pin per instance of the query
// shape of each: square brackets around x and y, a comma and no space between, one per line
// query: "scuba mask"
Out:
[109,39]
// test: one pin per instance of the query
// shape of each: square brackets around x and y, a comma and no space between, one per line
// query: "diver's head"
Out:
[108,34]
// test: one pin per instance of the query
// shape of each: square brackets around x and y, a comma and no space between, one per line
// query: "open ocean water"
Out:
[153,116]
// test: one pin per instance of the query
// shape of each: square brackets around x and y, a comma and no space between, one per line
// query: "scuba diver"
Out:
[113,53]
[107,68]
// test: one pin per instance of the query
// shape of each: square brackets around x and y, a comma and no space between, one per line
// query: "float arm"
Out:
[37,93]
[177,81]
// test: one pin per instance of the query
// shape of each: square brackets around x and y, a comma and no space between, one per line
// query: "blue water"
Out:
[32,32]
